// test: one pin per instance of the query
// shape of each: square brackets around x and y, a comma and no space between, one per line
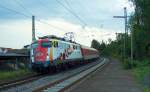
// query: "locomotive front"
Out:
[40,58]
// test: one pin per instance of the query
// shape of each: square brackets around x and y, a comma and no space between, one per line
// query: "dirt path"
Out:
[112,79]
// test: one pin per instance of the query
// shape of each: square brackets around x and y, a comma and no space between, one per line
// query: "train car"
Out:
[89,53]
[52,51]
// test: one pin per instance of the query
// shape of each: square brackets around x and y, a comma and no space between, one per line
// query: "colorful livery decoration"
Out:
[49,51]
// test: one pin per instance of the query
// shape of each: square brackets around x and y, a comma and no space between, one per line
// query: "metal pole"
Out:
[125,36]
[131,46]
[33,28]
[125,33]
[125,15]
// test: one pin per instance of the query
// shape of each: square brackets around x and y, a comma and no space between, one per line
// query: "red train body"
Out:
[89,53]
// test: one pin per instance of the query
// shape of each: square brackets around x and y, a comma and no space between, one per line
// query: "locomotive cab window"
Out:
[34,45]
[46,44]
[55,44]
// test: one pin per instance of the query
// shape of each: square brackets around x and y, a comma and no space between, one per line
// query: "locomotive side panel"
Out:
[66,52]
[52,52]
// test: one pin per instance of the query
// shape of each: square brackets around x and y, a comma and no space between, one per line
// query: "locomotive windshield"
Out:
[46,44]
[34,45]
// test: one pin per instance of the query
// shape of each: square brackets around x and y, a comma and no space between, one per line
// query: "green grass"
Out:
[9,75]
[146,89]
[140,71]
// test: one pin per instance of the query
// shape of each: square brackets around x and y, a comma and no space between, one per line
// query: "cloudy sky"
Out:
[53,18]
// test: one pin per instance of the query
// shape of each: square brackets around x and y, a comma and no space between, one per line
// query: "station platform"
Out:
[113,78]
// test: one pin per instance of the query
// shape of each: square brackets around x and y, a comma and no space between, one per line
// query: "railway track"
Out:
[46,82]
[12,83]
[67,82]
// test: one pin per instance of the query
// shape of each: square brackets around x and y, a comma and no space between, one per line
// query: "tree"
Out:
[95,44]
[140,27]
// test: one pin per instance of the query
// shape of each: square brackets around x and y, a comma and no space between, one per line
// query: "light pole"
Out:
[131,46]
[126,32]
[33,28]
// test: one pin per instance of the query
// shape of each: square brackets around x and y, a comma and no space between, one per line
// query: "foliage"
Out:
[95,44]
[139,25]
[142,70]
[128,64]
[147,89]
[99,46]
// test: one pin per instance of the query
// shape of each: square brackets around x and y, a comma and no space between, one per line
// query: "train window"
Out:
[34,45]
[78,47]
[46,44]
[64,45]
[60,44]
[74,47]
[55,44]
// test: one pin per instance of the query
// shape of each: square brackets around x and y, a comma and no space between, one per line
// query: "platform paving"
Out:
[112,79]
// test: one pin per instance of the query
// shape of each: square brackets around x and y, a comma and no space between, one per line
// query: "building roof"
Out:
[12,55]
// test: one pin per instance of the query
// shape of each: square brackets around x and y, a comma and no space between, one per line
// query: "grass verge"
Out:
[142,70]
[12,75]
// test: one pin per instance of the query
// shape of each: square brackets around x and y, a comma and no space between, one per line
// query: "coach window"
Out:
[74,47]
[64,45]
[60,44]
[77,47]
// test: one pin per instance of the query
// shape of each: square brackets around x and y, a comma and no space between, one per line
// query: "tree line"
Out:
[139,25]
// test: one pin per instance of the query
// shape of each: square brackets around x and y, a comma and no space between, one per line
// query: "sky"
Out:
[52,18]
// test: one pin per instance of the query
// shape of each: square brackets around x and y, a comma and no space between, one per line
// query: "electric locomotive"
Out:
[52,51]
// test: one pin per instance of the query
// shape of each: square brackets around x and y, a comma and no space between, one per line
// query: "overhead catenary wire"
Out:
[49,24]
[73,13]
[12,10]
[21,5]
[29,16]
[69,10]
[66,1]
[43,4]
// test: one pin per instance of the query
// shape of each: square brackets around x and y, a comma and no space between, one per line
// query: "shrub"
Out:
[128,64]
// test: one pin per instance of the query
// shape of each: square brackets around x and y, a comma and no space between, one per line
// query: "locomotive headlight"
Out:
[32,55]
[47,57]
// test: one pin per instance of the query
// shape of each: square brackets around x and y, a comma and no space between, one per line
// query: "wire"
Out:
[49,24]
[21,5]
[12,10]
[73,13]
[66,1]
[43,4]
